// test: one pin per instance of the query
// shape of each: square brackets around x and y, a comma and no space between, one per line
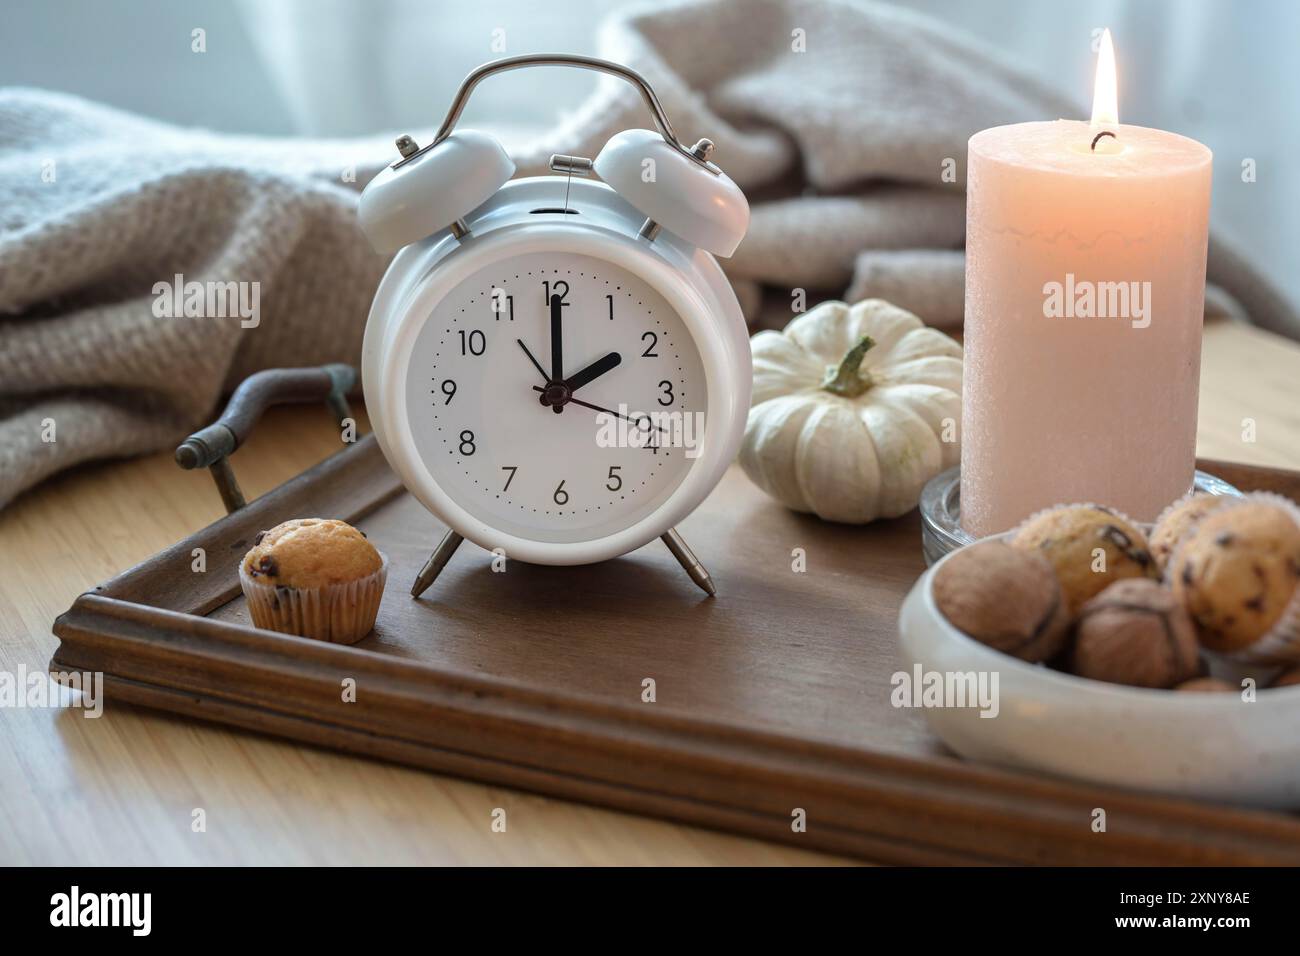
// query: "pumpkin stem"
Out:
[848,380]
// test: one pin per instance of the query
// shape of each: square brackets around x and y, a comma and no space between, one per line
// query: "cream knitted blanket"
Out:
[835,119]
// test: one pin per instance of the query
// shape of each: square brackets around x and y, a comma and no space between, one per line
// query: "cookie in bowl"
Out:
[314,577]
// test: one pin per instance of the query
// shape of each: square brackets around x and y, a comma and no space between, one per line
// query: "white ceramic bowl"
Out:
[1210,746]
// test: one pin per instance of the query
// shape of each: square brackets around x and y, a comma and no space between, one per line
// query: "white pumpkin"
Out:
[850,411]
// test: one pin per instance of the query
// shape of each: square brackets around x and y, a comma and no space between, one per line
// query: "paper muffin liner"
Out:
[341,613]
[1281,643]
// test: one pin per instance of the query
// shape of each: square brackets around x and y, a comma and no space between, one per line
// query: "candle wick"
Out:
[1104,132]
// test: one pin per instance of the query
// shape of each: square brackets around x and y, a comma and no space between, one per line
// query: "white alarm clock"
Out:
[556,367]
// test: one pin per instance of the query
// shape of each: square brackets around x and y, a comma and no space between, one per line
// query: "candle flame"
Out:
[1105,98]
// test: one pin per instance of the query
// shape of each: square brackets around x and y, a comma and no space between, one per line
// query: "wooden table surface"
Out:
[123,789]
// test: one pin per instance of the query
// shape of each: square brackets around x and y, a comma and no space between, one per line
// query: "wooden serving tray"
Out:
[771,697]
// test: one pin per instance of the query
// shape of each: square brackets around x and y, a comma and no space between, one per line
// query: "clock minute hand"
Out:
[608,411]
[593,371]
[557,339]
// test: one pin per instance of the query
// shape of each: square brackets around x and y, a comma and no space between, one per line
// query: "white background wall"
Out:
[1226,72]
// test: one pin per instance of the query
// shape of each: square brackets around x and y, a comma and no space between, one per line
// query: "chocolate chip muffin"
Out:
[314,577]
[1089,547]
[1177,520]
[1238,574]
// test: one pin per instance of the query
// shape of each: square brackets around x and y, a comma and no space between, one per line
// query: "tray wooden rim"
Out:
[885,807]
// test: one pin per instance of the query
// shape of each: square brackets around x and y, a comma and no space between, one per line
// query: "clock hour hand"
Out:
[536,364]
[592,371]
[557,339]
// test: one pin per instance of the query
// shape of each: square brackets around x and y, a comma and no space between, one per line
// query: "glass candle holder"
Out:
[941,525]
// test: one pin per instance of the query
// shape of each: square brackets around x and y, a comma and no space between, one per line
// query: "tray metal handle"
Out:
[212,446]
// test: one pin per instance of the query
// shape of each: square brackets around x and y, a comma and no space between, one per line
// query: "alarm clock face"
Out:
[556,397]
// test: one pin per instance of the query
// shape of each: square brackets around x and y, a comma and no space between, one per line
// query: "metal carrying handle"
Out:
[211,447]
[697,154]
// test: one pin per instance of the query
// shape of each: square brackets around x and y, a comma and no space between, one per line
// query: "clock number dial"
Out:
[473,342]
[503,304]
[536,423]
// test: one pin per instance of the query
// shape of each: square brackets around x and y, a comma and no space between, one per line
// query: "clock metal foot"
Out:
[686,557]
[437,561]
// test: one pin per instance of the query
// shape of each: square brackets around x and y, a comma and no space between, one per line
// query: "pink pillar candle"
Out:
[1085,284]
